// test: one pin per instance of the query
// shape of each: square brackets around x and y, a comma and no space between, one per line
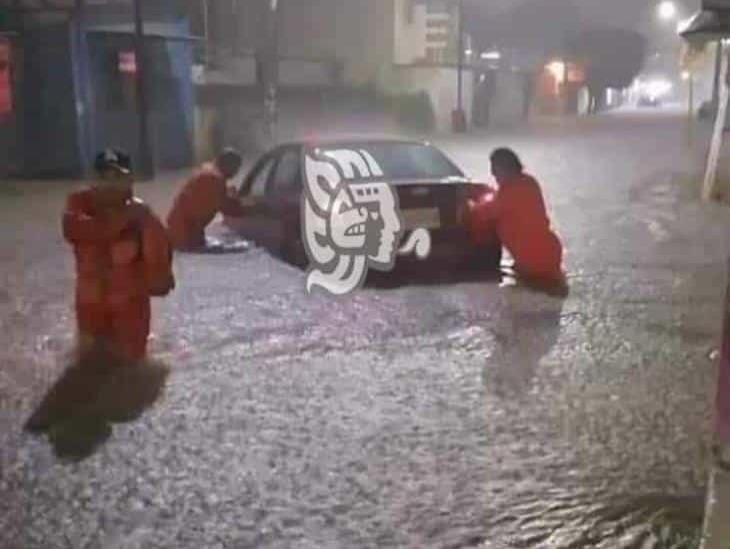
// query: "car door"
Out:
[284,191]
[256,222]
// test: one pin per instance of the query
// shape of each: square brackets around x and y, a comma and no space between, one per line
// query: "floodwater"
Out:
[449,413]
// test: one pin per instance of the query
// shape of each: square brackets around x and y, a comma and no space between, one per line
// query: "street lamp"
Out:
[458,121]
[271,73]
[667,10]
[144,143]
[460,31]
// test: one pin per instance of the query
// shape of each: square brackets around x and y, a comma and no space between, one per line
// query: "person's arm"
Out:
[481,216]
[232,207]
[157,255]
[228,204]
[79,226]
[486,207]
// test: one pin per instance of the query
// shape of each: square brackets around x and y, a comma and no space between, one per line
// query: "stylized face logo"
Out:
[350,220]
[364,218]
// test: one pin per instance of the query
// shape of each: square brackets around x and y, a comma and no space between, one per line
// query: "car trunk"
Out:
[434,205]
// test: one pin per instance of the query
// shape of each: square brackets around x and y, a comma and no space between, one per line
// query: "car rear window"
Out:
[410,161]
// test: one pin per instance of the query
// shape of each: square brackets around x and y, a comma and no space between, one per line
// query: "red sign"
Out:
[6,92]
[127,62]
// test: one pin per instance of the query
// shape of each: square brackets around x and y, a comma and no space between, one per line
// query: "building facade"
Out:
[72,86]
[394,46]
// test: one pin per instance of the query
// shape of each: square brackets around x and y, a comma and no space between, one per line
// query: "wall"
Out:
[10,107]
[411,43]
[509,99]
[372,47]
[239,71]
[171,98]
[303,112]
[410,36]
[293,72]
[357,32]
[50,122]
[304,73]
[308,29]
[167,11]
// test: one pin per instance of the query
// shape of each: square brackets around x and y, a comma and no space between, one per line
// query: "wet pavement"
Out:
[452,414]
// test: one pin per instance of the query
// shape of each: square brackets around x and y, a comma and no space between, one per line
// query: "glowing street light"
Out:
[557,69]
[667,10]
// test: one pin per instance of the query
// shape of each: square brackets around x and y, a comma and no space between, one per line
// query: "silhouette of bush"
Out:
[414,111]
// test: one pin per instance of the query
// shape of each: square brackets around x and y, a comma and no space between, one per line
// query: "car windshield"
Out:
[411,161]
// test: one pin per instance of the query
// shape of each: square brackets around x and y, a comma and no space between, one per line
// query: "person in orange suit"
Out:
[123,257]
[517,211]
[203,196]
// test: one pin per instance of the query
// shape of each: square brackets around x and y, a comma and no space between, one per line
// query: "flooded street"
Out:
[449,414]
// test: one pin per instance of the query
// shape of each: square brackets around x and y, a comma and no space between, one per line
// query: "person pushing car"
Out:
[523,226]
[203,196]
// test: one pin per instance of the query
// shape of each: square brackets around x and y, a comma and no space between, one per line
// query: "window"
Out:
[404,161]
[435,55]
[286,173]
[257,187]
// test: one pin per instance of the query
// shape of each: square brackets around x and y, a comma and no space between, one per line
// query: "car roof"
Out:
[350,141]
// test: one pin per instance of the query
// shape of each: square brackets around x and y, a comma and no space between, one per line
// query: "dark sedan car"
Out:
[431,194]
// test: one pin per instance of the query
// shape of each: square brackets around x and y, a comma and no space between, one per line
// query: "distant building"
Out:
[394,46]
[69,84]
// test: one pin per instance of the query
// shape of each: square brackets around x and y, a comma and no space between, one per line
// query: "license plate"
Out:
[428,218]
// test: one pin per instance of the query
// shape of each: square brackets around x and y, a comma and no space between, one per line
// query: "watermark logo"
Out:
[351,221]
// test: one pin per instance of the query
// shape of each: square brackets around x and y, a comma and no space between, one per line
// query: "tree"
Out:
[539,28]
[612,58]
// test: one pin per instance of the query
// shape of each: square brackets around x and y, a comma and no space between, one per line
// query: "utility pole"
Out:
[708,186]
[718,69]
[144,145]
[83,108]
[206,34]
[274,84]
[461,56]
[458,117]
[690,106]
[271,80]
[235,42]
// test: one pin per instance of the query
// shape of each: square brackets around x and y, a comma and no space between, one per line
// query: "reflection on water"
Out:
[94,392]
[541,494]
[527,329]
[226,244]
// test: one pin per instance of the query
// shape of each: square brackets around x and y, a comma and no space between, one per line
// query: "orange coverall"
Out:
[202,197]
[121,260]
[522,224]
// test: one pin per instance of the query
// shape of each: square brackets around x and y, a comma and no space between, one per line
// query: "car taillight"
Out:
[481,193]
[474,196]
